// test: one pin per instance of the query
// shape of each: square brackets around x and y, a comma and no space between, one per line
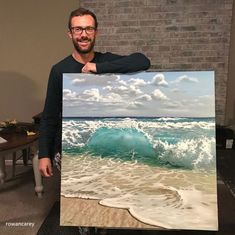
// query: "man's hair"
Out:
[81,12]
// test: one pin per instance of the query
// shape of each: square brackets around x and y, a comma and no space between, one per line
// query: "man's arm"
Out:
[112,63]
[49,125]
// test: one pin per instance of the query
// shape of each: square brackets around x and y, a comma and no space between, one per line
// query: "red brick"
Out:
[174,34]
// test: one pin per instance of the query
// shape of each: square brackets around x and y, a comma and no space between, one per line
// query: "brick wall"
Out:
[174,34]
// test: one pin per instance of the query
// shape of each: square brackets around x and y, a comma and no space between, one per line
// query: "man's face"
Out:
[84,41]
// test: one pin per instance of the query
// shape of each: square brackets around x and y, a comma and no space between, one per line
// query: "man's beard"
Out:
[84,51]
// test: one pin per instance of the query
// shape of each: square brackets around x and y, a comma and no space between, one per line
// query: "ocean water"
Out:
[161,169]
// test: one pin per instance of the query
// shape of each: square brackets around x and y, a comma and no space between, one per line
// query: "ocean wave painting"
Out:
[143,143]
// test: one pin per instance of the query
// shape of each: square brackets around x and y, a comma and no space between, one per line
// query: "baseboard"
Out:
[19,162]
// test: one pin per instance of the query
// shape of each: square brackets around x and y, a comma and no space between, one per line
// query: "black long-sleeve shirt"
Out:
[51,124]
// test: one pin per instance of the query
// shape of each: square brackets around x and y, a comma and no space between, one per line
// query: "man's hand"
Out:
[89,68]
[45,167]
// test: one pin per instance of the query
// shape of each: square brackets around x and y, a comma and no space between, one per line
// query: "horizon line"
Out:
[135,117]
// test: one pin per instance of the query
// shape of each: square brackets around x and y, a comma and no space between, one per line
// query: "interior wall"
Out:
[33,38]
[230,104]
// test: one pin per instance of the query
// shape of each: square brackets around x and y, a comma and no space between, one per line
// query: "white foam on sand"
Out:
[170,198]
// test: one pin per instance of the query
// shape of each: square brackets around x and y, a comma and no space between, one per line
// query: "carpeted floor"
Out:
[18,202]
[51,224]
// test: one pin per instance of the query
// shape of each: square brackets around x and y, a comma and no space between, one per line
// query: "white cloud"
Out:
[137,82]
[113,97]
[121,82]
[91,95]
[69,95]
[159,95]
[159,80]
[129,91]
[134,90]
[144,97]
[186,78]
[108,88]
[121,88]
[77,81]
[93,79]
[135,105]
[66,91]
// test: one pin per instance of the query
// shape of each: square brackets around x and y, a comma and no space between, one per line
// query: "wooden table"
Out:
[17,141]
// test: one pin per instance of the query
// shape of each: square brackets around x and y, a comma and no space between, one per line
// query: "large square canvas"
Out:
[138,151]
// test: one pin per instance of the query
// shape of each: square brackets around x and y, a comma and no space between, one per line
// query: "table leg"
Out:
[25,153]
[2,170]
[37,176]
[14,165]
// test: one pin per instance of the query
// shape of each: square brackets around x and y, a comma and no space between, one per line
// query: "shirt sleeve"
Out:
[112,63]
[50,121]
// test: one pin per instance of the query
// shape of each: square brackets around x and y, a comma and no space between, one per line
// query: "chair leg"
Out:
[13,164]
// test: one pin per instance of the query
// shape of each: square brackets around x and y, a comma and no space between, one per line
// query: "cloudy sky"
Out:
[149,94]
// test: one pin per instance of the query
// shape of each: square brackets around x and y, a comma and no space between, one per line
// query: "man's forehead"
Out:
[84,20]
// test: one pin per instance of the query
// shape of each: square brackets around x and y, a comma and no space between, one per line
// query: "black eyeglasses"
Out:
[79,30]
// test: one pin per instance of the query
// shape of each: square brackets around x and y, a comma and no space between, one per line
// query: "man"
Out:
[82,31]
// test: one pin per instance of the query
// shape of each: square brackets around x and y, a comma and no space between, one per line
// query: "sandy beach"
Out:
[76,211]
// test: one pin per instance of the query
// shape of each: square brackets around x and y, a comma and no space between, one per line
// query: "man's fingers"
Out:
[44,173]
[85,69]
[49,170]
[89,68]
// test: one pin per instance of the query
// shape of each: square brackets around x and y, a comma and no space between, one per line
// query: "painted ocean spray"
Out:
[156,167]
